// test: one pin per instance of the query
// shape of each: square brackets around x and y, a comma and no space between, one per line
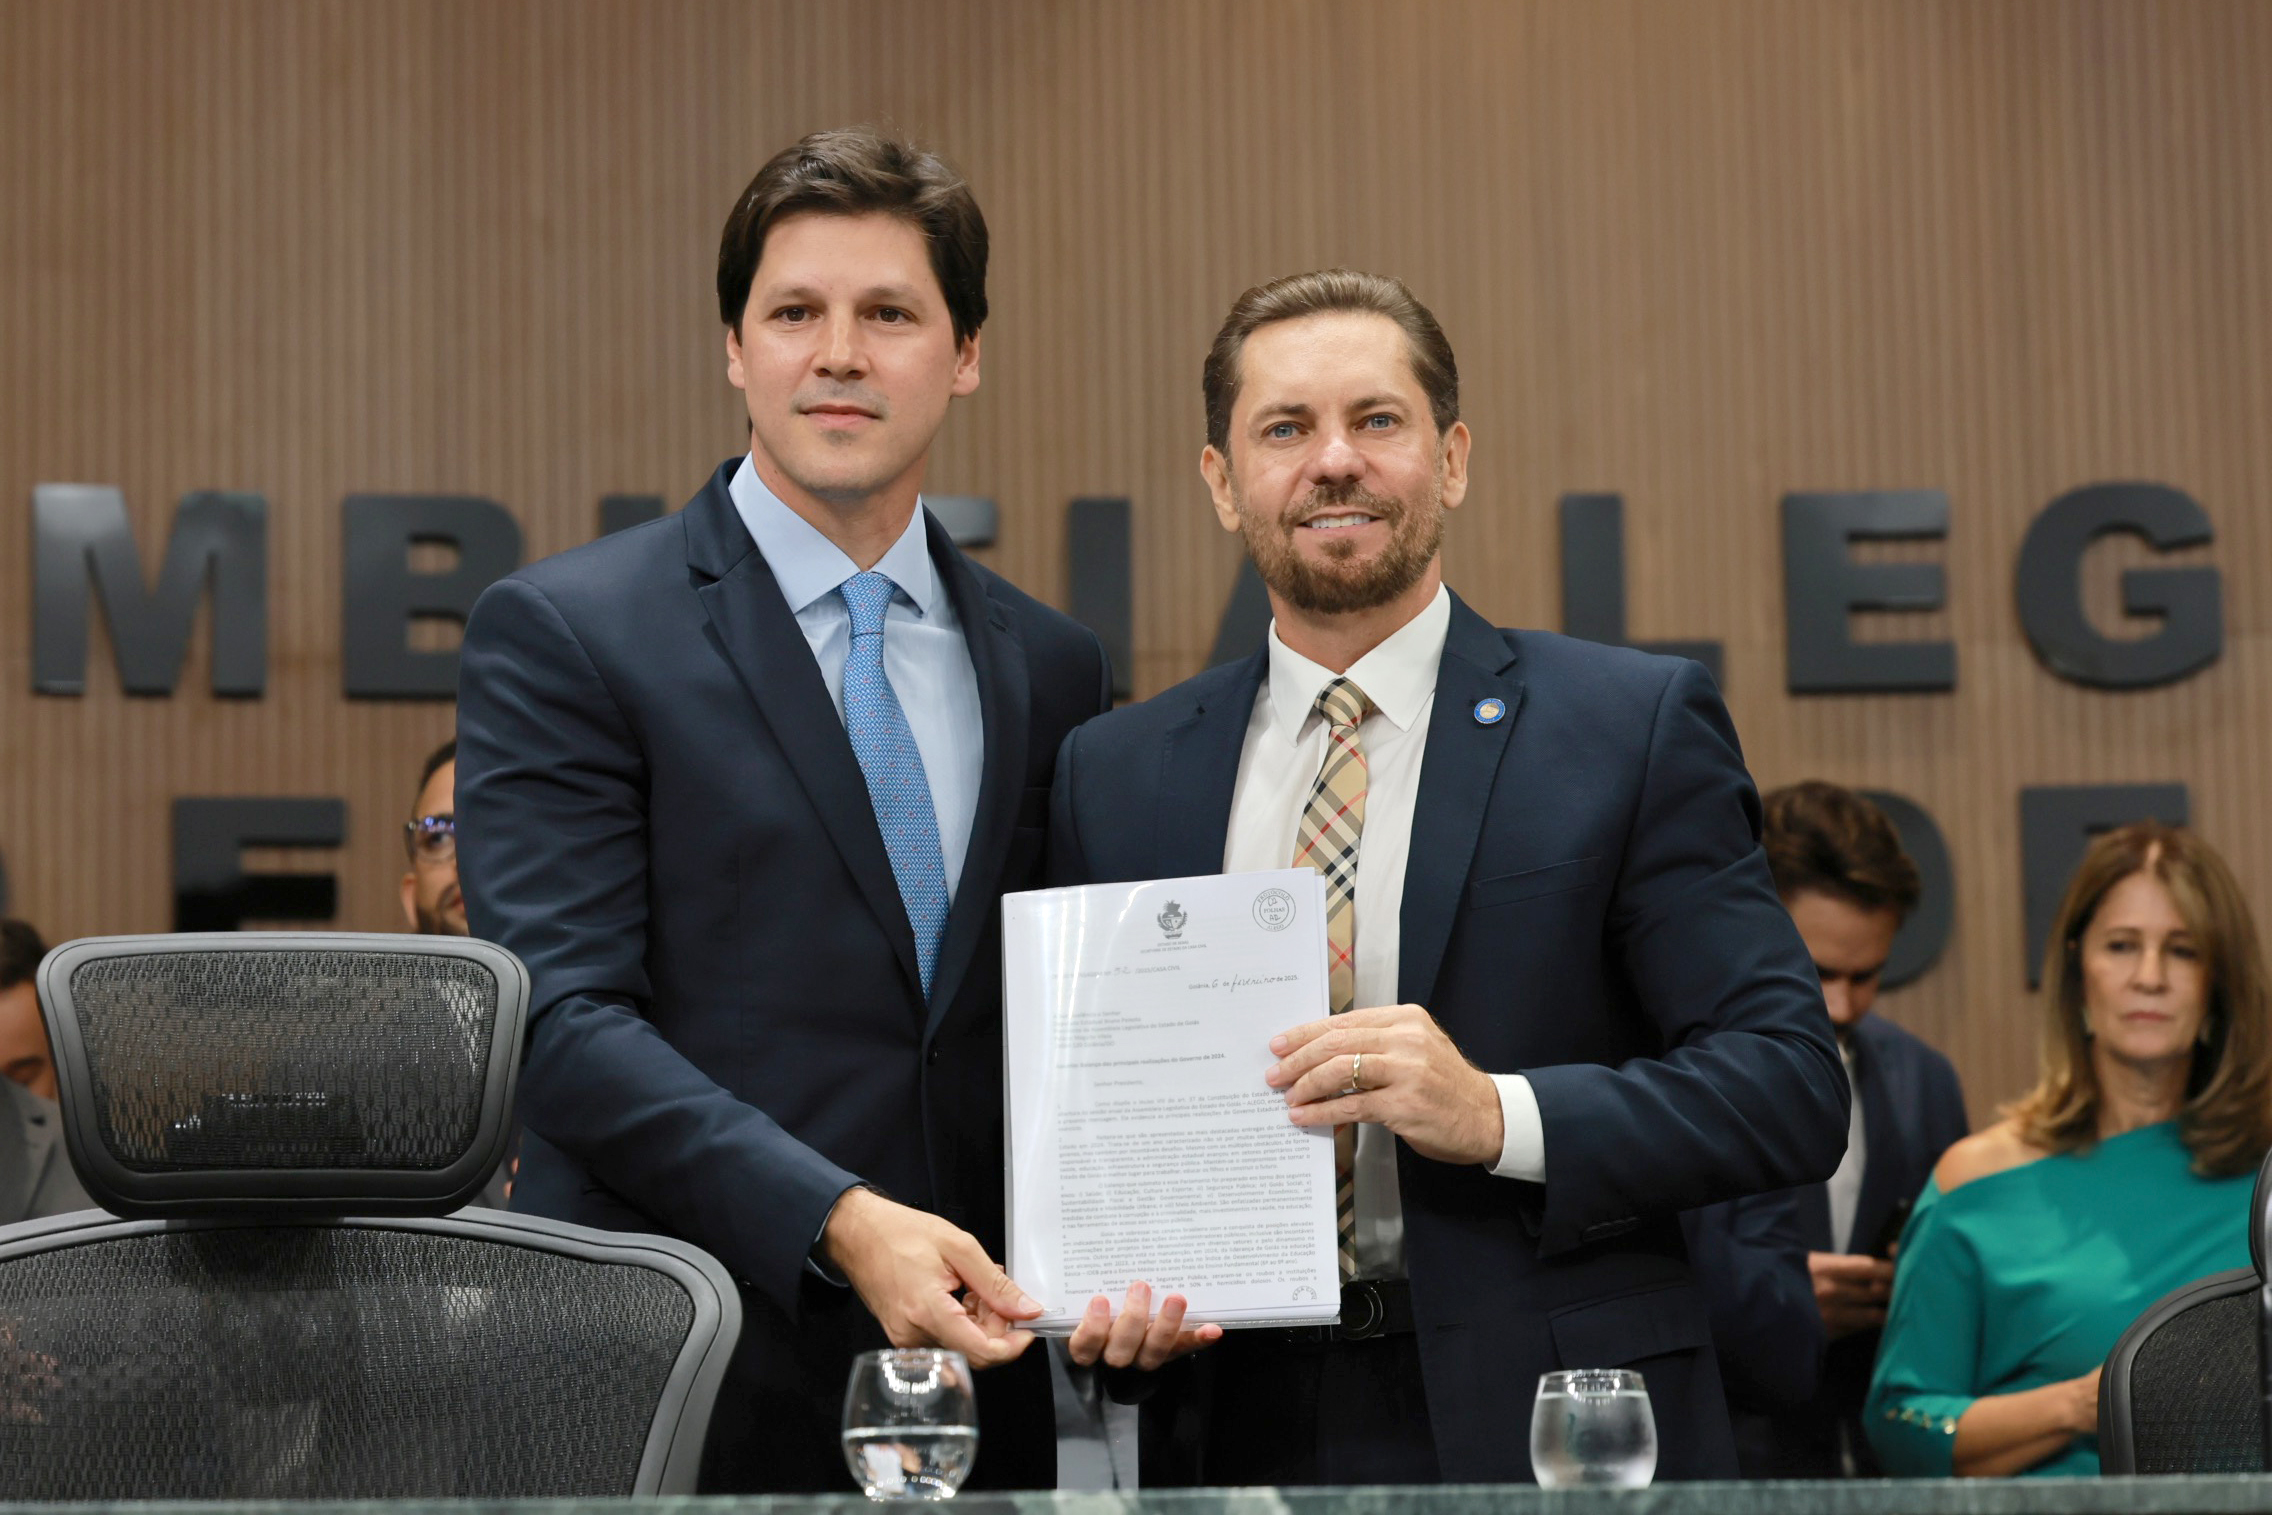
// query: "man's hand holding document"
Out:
[1145,1146]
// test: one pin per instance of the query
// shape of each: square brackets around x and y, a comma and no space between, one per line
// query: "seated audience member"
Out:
[2124,1173]
[1800,1279]
[432,904]
[35,1175]
[25,1056]
[1750,1259]
[431,901]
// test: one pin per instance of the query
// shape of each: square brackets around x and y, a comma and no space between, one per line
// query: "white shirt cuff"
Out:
[1522,1151]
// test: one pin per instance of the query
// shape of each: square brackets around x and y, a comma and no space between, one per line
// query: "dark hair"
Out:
[1321,293]
[20,952]
[855,172]
[1830,840]
[446,753]
[2227,1119]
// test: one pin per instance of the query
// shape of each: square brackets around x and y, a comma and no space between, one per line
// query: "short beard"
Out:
[1416,534]
[434,923]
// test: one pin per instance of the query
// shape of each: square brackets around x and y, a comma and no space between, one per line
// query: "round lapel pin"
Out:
[1490,712]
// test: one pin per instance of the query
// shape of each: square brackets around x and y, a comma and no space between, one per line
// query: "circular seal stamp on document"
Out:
[1274,910]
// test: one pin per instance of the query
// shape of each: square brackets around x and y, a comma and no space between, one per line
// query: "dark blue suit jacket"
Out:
[660,813]
[1912,1112]
[1750,1256]
[1585,902]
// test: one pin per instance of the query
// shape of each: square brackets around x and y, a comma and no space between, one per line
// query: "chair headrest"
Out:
[293,1072]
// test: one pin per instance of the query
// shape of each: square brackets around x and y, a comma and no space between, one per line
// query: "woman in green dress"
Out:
[2125,1173]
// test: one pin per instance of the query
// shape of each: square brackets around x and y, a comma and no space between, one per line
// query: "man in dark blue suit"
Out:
[1750,1257]
[743,787]
[1574,1005]
[1840,869]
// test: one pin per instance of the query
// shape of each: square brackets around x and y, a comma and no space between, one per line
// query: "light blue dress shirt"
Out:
[925,655]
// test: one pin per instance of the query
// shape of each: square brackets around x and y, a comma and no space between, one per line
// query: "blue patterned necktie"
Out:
[897,785]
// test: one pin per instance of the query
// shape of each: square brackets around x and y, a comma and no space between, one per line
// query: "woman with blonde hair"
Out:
[2124,1173]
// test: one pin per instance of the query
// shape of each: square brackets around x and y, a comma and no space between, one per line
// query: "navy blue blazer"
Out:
[1750,1257]
[1912,1113]
[660,813]
[1585,902]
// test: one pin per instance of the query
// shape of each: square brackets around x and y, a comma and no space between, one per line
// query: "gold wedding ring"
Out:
[1356,1084]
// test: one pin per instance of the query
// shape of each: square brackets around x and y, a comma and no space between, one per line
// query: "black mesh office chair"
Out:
[2185,1390]
[288,1309]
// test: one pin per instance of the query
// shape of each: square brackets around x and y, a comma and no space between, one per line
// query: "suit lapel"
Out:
[1005,698]
[1457,774]
[1199,773]
[1877,1085]
[768,651]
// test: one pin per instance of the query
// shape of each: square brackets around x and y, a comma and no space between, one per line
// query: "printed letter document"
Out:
[1143,1142]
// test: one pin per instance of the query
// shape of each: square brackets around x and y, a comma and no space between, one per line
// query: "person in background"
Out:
[1805,1274]
[25,1056]
[433,905]
[1750,1260]
[2122,1175]
[35,1173]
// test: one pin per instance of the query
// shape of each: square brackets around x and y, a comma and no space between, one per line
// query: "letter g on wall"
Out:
[2188,601]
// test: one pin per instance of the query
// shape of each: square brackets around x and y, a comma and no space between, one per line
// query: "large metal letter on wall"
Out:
[81,538]
[212,892]
[1823,586]
[1923,937]
[1100,575]
[1246,618]
[383,596]
[2189,601]
[621,512]
[1593,581]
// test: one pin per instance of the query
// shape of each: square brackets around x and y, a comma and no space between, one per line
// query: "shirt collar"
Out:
[808,566]
[1398,676]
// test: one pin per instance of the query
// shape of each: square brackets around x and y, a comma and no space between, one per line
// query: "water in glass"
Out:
[1593,1427]
[910,1424]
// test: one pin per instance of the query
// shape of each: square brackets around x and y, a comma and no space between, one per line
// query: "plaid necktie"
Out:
[893,766]
[1333,823]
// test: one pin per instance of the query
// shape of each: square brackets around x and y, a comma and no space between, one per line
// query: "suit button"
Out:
[931,1058]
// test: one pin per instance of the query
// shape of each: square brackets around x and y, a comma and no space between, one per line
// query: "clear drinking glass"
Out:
[910,1423]
[1593,1427]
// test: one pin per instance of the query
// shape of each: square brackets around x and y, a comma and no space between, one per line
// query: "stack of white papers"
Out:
[1144,1144]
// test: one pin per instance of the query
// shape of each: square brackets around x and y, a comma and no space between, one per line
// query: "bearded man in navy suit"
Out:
[1574,1005]
[744,787]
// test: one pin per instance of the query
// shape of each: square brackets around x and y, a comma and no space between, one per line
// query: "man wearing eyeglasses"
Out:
[431,902]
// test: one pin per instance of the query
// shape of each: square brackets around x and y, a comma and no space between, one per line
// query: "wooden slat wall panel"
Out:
[1699,254]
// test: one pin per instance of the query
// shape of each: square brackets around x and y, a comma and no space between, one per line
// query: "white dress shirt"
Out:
[1846,1183]
[925,656]
[1285,746]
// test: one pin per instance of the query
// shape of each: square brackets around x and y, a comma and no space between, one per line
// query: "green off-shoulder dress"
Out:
[2028,1276]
